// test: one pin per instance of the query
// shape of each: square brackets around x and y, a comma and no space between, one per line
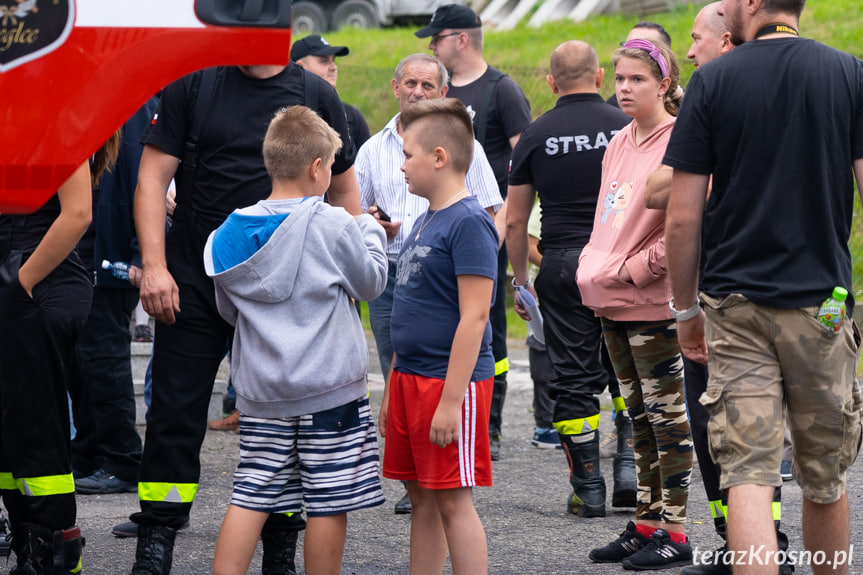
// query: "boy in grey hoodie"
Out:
[285,270]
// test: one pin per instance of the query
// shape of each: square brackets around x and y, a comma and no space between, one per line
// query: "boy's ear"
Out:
[314,169]
[441,157]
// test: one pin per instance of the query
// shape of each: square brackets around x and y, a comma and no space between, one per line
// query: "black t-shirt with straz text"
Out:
[778,123]
[231,172]
[560,154]
[508,115]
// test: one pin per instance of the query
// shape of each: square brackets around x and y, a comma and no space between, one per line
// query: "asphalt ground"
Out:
[528,528]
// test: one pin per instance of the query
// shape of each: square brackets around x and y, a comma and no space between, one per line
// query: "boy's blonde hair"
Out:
[445,123]
[297,136]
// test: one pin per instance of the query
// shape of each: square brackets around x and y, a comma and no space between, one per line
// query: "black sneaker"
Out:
[713,564]
[103,482]
[628,543]
[660,553]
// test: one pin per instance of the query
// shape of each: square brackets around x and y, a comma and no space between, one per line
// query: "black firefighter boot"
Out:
[279,539]
[155,551]
[495,418]
[588,498]
[41,551]
[625,492]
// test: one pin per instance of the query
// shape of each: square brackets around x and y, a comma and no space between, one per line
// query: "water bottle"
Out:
[832,311]
[119,270]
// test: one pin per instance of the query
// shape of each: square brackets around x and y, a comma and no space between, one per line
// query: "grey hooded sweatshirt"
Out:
[284,282]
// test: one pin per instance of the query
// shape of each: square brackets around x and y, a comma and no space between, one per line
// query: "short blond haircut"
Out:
[297,136]
[443,123]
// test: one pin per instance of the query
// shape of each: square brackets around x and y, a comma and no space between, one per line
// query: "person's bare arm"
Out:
[344,192]
[385,401]
[858,173]
[513,140]
[519,203]
[160,295]
[533,255]
[658,189]
[683,252]
[62,236]
[499,222]
[474,300]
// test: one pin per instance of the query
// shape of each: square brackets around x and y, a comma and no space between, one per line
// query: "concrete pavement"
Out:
[528,528]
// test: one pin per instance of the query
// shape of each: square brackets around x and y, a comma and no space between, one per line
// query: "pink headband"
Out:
[651,49]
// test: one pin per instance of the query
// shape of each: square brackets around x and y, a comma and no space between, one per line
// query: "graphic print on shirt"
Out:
[406,267]
[616,200]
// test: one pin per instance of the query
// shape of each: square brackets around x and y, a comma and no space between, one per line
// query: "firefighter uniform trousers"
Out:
[37,338]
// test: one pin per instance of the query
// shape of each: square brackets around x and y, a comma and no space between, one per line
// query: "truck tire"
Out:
[356,13]
[308,18]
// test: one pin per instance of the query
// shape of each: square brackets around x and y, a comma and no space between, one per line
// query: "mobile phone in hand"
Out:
[383,216]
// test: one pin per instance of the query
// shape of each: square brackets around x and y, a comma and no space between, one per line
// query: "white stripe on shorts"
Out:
[467,448]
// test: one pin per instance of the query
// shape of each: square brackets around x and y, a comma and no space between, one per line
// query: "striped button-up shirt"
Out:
[382,183]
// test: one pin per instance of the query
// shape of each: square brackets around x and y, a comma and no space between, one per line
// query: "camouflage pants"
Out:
[762,359]
[646,358]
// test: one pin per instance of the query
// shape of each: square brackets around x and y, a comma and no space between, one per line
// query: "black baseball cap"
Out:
[450,16]
[315,45]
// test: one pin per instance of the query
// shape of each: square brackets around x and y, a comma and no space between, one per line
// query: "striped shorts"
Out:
[327,461]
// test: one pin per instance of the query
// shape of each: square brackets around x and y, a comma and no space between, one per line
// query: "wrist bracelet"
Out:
[526,284]
[686,314]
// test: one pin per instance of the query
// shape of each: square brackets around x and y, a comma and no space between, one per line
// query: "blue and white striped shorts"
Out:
[327,460]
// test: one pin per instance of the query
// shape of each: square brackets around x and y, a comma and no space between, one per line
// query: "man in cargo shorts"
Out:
[775,233]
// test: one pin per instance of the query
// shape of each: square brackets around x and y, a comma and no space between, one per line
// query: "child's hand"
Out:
[445,424]
[382,419]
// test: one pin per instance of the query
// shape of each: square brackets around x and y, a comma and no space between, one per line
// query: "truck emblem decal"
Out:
[29,29]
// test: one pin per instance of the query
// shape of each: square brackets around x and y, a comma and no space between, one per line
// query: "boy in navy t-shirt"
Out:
[436,405]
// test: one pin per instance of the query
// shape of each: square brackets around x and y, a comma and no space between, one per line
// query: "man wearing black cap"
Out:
[317,56]
[500,113]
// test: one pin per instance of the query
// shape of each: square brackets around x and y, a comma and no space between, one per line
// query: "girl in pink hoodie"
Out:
[623,278]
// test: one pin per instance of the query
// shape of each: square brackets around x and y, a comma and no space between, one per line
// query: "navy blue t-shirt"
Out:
[459,240]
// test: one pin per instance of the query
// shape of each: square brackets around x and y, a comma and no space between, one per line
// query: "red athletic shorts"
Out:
[408,453]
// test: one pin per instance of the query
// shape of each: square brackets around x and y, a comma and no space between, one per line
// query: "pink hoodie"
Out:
[627,233]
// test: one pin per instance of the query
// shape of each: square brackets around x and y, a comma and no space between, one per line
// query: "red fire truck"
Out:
[72,71]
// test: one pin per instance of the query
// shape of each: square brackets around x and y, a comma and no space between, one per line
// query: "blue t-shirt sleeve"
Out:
[474,246]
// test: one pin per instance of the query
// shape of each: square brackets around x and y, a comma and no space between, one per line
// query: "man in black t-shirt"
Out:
[500,113]
[228,173]
[570,140]
[776,228]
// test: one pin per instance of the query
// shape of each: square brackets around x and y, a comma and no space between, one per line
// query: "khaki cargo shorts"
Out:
[764,362]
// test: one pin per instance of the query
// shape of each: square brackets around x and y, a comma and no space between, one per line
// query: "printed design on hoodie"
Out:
[406,267]
[616,200]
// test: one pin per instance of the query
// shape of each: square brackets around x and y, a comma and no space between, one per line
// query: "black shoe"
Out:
[714,564]
[103,482]
[155,551]
[588,485]
[280,549]
[403,505]
[660,553]
[130,529]
[494,446]
[41,551]
[625,492]
[628,543]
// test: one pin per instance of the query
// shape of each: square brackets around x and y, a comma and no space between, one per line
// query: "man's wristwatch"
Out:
[526,284]
[686,314]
